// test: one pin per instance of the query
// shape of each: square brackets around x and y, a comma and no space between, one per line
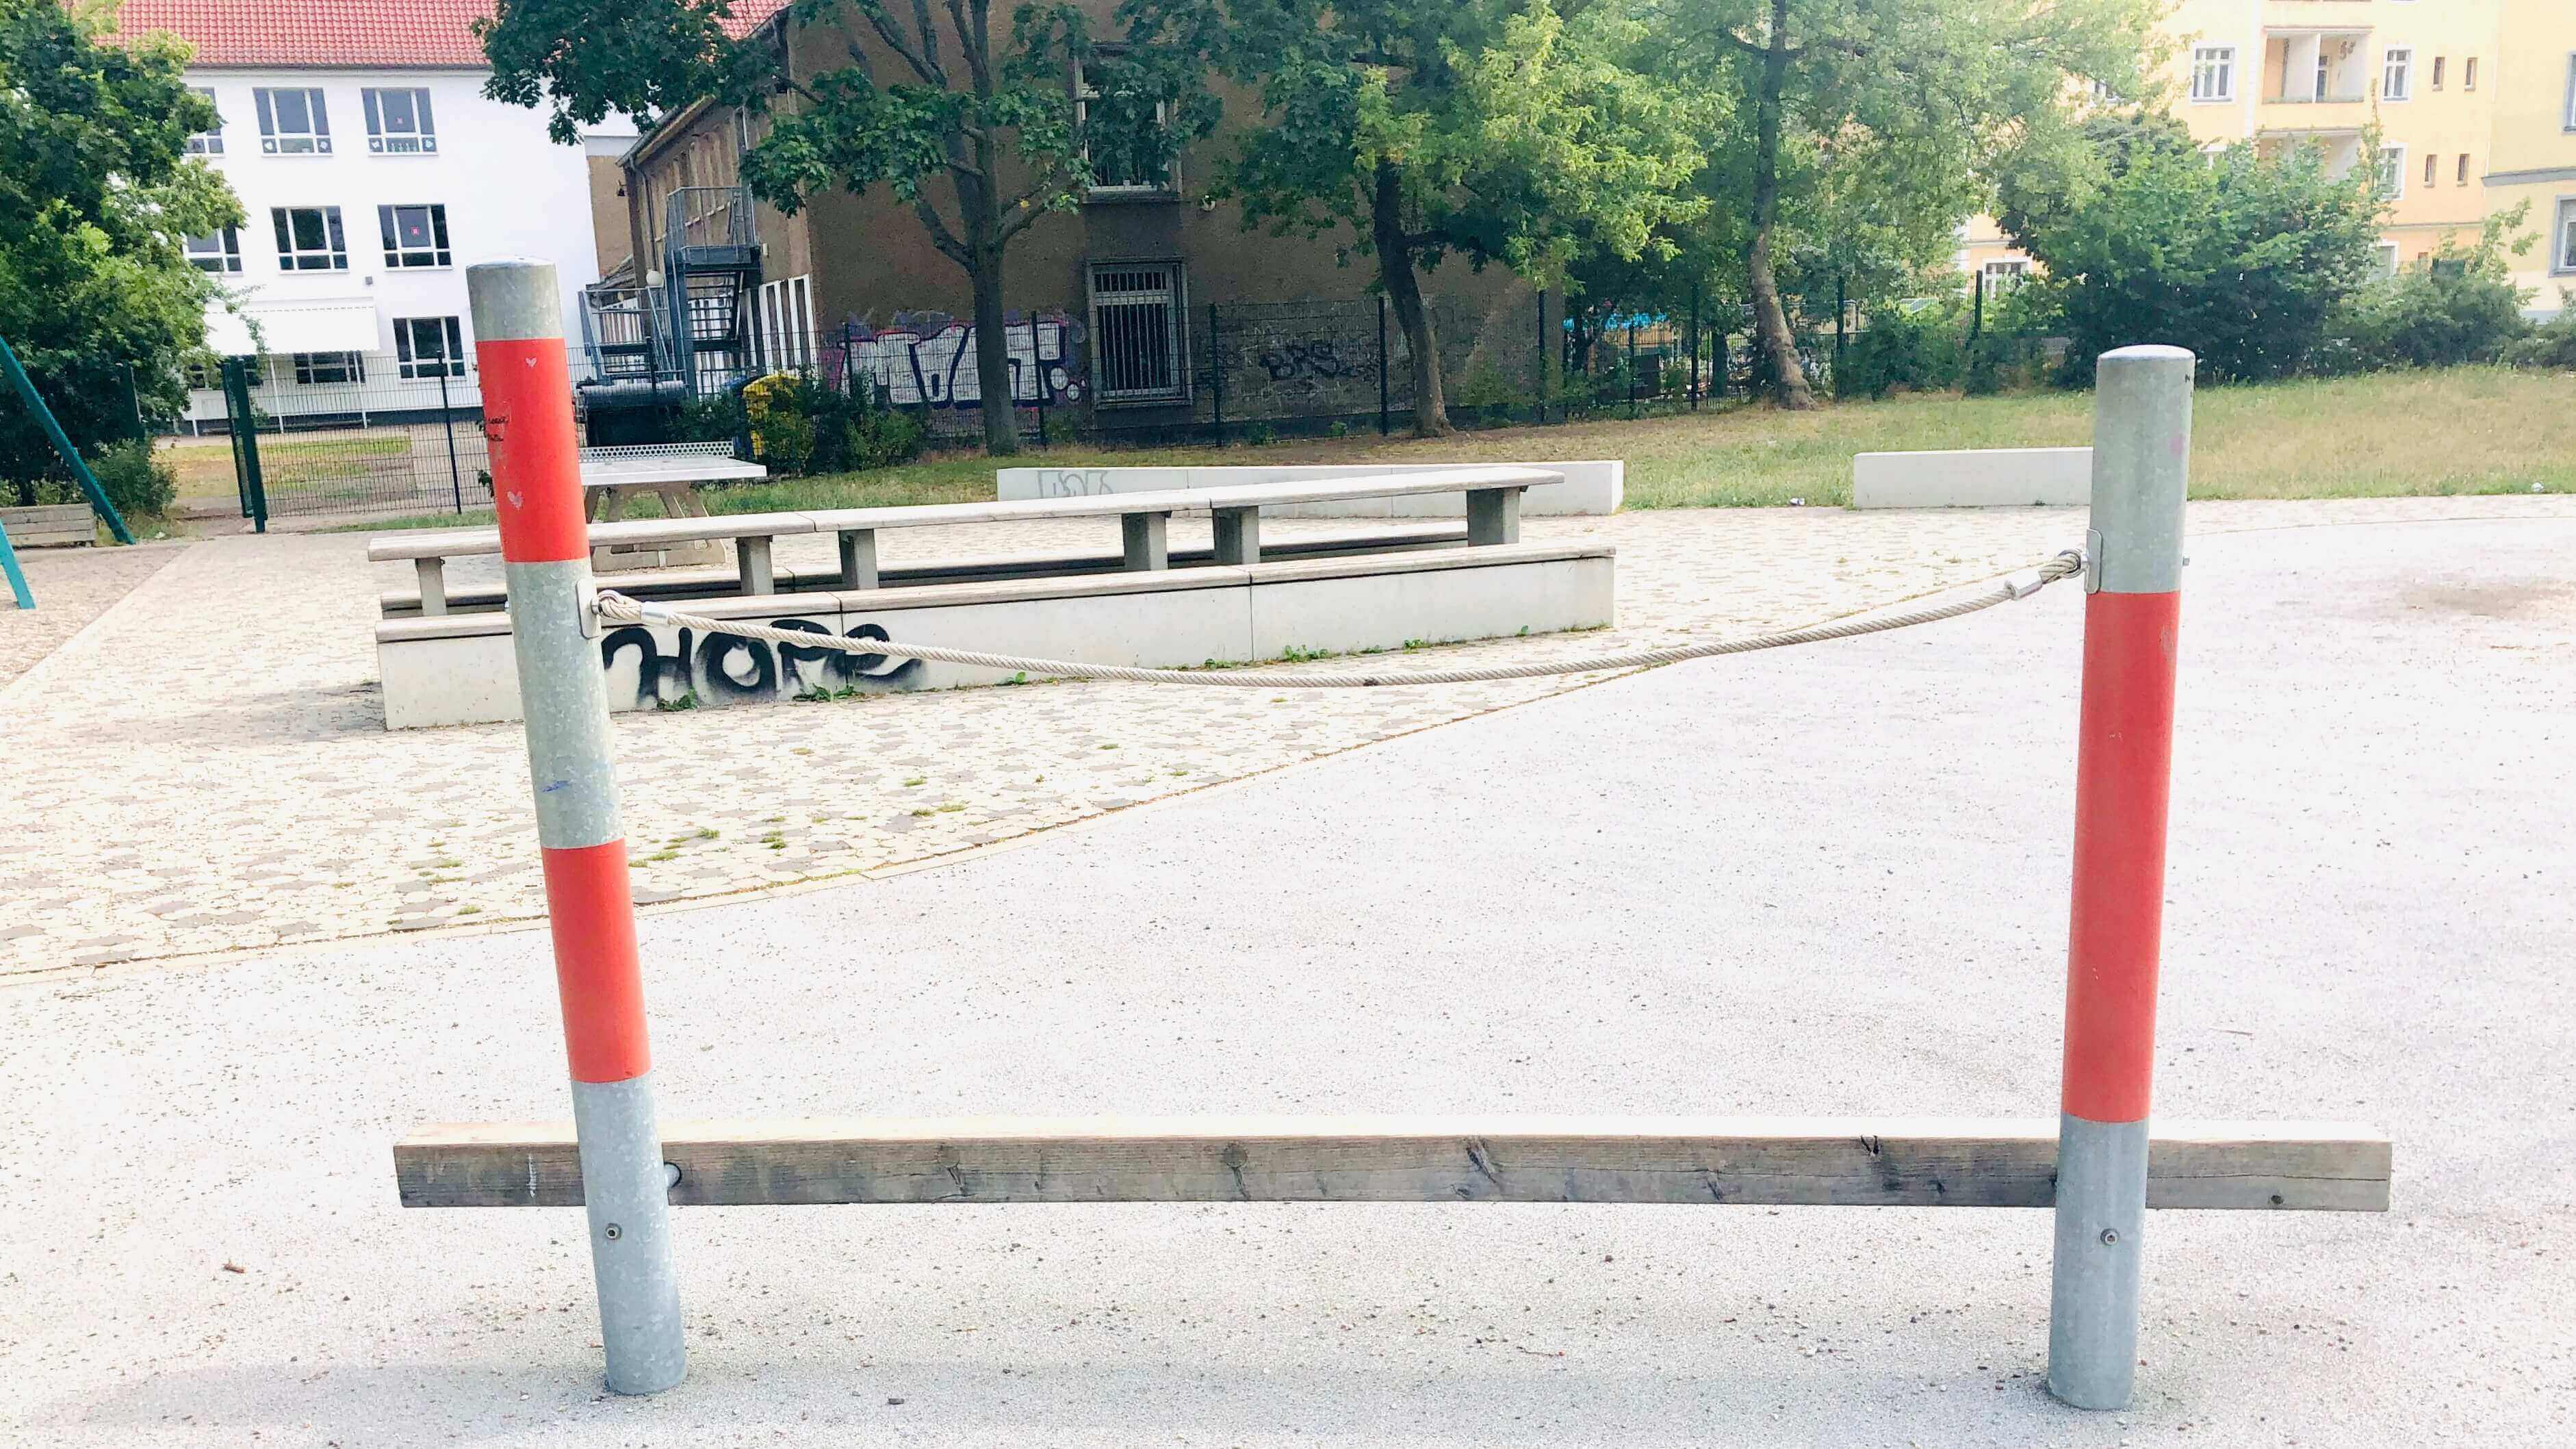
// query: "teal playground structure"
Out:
[71,456]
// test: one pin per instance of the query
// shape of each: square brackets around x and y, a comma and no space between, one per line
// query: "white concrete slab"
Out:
[1974,478]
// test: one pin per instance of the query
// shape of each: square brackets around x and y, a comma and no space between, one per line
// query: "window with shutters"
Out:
[1139,332]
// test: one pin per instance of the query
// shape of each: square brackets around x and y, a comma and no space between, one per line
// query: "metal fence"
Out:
[349,433]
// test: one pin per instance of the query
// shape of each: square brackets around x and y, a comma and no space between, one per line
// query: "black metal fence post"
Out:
[1841,306]
[245,424]
[447,424]
[1385,420]
[1542,355]
[1632,364]
[1694,347]
[1216,374]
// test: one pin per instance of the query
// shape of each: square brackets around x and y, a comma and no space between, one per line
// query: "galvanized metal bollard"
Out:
[545,552]
[2123,772]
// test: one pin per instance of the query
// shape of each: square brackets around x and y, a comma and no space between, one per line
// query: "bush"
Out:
[135,478]
[800,426]
[2241,258]
[1919,351]
[2552,343]
[2460,307]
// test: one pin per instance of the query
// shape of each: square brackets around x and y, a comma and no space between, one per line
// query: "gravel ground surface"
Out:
[1829,880]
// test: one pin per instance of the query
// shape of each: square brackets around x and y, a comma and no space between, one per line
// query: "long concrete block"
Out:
[1591,486]
[1974,478]
[460,668]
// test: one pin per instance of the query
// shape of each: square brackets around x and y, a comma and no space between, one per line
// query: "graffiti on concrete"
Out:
[1073,482]
[1309,357]
[927,359]
[721,669]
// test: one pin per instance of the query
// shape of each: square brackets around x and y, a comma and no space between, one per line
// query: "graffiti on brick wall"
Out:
[927,359]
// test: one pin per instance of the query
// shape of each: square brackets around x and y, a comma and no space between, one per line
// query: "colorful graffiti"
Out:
[928,360]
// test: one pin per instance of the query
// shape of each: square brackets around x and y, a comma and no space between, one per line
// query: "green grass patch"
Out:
[2455,430]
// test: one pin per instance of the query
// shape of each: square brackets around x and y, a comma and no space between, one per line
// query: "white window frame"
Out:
[2438,64]
[2562,242]
[799,310]
[398,258]
[223,248]
[1170,185]
[208,143]
[1106,333]
[2386,253]
[2213,74]
[2460,176]
[2002,274]
[275,139]
[2397,73]
[2468,72]
[2567,112]
[311,367]
[382,139]
[415,362]
[293,258]
[2391,168]
[2432,169]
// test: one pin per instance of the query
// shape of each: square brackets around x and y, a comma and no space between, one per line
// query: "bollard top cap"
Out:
[2147,352]
[514,298]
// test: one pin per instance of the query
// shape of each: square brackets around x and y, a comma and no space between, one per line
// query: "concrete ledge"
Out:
[1594,486]
[1974,478]
[461,668]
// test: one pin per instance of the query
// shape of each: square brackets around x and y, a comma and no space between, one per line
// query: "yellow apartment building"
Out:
[2473,102]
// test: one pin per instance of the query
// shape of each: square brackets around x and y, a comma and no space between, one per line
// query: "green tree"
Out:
[2243,259]
[968,123]
[1489,130]
[1915,96]
[97,197]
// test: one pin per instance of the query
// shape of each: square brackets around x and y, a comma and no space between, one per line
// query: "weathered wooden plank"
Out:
[1771,1161]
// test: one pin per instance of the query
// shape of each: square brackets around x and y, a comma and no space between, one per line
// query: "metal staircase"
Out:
[686,333]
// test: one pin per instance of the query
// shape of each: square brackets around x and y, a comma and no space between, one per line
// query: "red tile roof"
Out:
[359,33]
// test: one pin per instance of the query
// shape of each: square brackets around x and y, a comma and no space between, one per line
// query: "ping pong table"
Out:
[611,478]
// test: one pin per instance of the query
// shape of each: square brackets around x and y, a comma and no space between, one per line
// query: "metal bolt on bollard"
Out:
[2123,774]
[545,552]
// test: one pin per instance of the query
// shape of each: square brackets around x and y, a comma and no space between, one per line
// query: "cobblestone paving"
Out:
[207,768]
[72,586]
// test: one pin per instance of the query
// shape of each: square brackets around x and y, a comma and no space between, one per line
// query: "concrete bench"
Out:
[1493,517]
[1974,478]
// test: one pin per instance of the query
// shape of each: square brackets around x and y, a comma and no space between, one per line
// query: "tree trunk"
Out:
[993,355]
[1779,348]
[1395,277]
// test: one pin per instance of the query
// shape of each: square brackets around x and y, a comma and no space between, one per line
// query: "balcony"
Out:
[2325,73]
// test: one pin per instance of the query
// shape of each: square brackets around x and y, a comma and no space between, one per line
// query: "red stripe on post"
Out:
[2123,773]
[536,461]
[590,907]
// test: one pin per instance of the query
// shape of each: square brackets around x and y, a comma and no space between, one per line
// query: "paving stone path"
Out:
[205,767]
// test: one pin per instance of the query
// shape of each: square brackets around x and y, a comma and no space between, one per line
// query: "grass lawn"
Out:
[205,464]
[2461,430]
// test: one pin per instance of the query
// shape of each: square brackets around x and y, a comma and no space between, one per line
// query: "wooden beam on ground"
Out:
[1768,1161]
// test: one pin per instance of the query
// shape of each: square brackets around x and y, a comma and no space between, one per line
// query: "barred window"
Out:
[1139,348]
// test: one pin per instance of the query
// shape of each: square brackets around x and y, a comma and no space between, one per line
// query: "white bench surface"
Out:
[459,543]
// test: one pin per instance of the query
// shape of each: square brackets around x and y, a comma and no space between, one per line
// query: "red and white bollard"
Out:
[545,553]
[2123,772]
